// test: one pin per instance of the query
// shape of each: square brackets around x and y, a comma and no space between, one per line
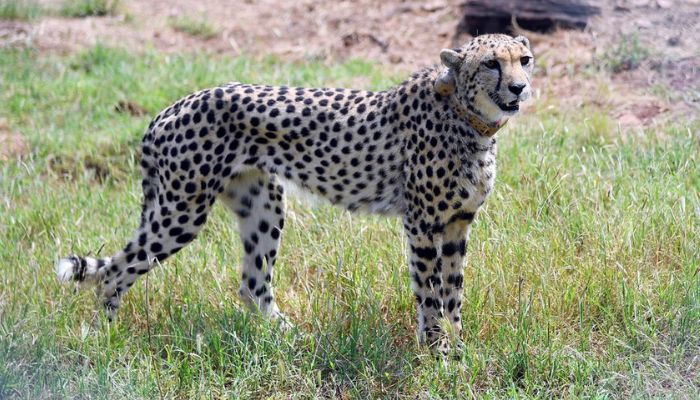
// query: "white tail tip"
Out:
[65,269]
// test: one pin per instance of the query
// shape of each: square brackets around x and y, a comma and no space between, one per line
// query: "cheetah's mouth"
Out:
[513,106]
[510,107]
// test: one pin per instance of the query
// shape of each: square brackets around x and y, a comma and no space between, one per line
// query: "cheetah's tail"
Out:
[82,269]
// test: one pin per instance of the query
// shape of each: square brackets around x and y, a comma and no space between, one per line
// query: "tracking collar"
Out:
[483,128]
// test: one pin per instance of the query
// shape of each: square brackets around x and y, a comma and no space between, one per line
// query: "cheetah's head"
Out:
[489,76]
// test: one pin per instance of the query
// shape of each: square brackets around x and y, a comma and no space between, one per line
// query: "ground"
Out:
[582,270]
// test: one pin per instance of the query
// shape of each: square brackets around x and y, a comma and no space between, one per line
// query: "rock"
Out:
[481,16]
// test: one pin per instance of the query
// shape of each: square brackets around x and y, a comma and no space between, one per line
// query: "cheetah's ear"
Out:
[523,40]
[451,59]
[445,83]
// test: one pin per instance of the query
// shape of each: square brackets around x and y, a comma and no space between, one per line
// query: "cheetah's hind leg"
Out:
[166,227]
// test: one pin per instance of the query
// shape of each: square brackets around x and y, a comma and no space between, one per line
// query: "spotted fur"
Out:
[423,150]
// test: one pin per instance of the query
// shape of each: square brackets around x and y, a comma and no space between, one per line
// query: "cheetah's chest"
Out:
[476,176]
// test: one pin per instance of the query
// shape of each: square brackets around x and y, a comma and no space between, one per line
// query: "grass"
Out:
[627,55]
[582,280]
[87,8]
[32,9]
[197,27]
[20,10]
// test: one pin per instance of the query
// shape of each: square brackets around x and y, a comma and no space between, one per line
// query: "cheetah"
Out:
[424,150]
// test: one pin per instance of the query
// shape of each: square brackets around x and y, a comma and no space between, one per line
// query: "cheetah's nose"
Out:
[516,88]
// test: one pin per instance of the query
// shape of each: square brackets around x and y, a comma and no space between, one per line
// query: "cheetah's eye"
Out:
[525,60]
[491,64]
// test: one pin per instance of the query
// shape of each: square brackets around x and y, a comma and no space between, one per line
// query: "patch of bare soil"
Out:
[407,35]
[659,39]
[395,32]
[14,34]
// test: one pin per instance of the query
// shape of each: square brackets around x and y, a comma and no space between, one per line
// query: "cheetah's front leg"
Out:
[453,253]
[436,266]
[425,266]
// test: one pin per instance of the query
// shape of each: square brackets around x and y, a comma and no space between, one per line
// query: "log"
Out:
[495,16]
